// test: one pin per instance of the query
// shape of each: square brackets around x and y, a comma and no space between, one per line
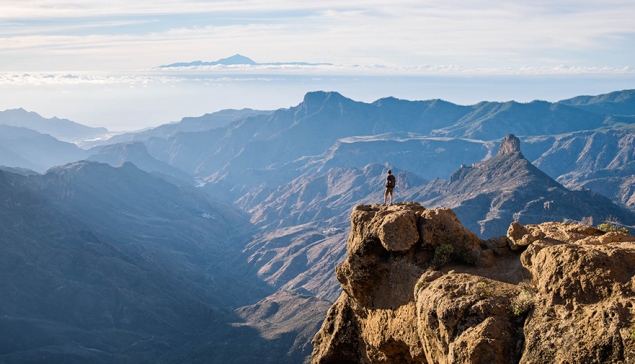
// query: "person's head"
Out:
[389,171]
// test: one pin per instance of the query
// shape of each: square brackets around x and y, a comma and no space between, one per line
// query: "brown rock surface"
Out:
[567,298]
[463,318]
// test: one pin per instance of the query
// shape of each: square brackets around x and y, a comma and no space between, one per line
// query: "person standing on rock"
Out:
[391,181]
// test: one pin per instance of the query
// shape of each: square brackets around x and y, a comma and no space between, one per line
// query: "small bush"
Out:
[632,335]
[442,255]
[612,224]
[482,290]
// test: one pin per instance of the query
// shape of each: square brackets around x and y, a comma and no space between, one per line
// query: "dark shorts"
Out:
[388,191]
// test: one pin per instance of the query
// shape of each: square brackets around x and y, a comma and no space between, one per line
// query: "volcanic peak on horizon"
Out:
[238,59]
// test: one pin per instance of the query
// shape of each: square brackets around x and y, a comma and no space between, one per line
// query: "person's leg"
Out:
[391,196]
[385,196]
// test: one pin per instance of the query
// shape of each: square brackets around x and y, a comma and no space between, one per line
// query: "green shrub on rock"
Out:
[442,255]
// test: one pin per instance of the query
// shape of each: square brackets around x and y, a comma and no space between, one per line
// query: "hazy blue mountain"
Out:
[137,153]
[491,120]
[266,142]
[188,124]
[249,152]
[11,158]
[91,274]
[26,148]
[614,103]
[61,129]
[21,171]
[421,117]
[8,132]
[233,60]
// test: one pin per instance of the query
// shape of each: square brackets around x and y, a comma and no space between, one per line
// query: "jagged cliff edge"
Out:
[545,293]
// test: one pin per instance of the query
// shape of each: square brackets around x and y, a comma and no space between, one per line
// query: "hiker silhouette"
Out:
[391,181]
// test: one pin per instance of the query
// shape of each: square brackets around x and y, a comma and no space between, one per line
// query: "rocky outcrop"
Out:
[420,288]
[511,144]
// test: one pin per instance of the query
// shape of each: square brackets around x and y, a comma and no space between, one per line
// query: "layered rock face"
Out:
[420,288]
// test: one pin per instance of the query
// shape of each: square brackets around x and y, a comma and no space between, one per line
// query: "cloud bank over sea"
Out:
[270,73]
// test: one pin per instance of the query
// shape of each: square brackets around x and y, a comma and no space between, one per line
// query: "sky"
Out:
[96,62]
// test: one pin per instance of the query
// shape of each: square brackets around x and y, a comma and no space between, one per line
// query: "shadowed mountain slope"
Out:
[110,265]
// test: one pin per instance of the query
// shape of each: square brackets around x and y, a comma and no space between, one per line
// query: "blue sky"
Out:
[94,61]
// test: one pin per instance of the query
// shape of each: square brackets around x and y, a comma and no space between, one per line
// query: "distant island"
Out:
[238,59]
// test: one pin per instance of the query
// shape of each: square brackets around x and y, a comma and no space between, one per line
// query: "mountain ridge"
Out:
[62,129]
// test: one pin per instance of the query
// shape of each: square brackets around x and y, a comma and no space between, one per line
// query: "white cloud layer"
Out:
[222,74]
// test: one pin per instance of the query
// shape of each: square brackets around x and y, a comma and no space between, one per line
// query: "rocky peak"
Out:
[510,145]
[420,288]
[315,100]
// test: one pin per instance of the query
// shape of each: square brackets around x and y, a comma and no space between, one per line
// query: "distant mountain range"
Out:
[62,129]
[237,59]
[288,180]
[205,122]
[26,148]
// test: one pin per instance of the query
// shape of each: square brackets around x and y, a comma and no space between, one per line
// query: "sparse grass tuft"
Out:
[442,255]
[482,290]
[632,335]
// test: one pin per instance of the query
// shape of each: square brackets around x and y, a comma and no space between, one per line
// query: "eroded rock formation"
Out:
[548,293]
[510,145]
